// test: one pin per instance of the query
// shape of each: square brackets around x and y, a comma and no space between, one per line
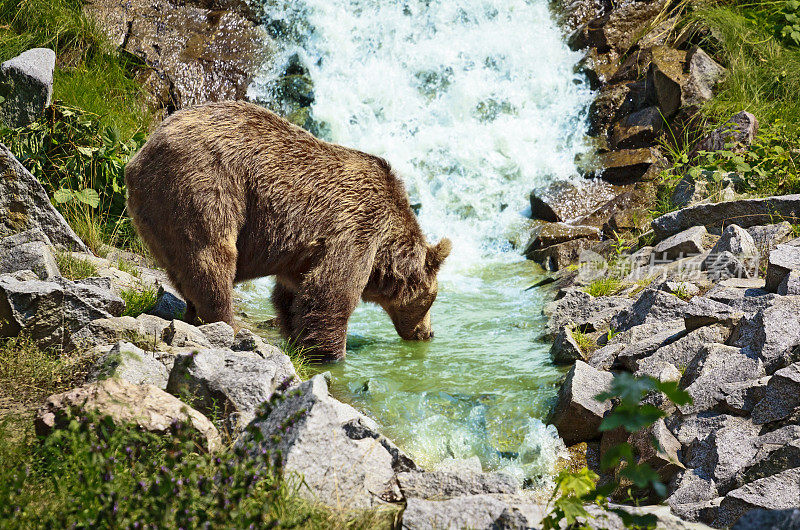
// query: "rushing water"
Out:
[474,103]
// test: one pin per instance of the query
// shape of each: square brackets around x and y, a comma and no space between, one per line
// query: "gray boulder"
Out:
[24,205]
[581,310]
[767,237]
[441,485]
[336,451]
[726,265]
[28,250]
[577,414]
[748,300]
[741,397]
[777,492]
[565,350]
[678,353]
[737,241]
[777,451]
[651,306]
[472,511]
[246,340]
[769,520]
[790,285]
[732,449]
[219,334]
[657,447]
[169,304]
[740,130]
[226,382]
[782,260]
[179,333]
[637,342]
[773,333]
[715,366]
[131,363]
[746,212]
[691,487]
[26,85]
[702,311]
[690,242]
[782,396]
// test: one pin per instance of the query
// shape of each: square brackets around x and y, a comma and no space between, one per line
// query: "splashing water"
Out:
[474,103]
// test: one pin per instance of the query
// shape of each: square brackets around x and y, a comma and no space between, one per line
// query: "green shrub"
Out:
[74,268]
[138,301]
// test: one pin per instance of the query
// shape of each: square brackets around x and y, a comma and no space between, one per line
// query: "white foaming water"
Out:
[474,103]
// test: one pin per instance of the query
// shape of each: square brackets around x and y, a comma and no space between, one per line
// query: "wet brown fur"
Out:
[229,191]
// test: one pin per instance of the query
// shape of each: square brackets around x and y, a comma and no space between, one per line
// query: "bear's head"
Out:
[411,315]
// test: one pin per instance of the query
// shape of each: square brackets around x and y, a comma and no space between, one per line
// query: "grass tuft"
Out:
[74,268]
[605,286]
[138,301]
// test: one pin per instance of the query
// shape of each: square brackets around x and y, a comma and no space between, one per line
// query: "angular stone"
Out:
[651,306]
[777,451]
[179,333]
[615,101]
[788,519]
[663,459]
[740,130]
[777,492]
[583,311]
[624,25]
[24,205]
[636,343]
[556,257]
[230,382]
[732,448]
[105,331]
[132,364]
[767,237]
[564,201]
[790,285]
[782,396]
[679,353]
[549,234]
[477,512]
[714,366]
[169,304]
[704,512]
[630,165]
[146,406]
[26,86]
[246,340]
[746,213]
[690,242]
[219,334]
[725,265]
[565,350]
[667,75]
[29,250]
[748,300]
[742,397]
[702,311]
[782,261]
[691,486]
[773,333]
[343,461]
[637,130]
[577,414]
[737,241]
[441,485]
[703,76]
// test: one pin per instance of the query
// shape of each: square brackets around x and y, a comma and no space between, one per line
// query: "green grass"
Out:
[138,301]
[126,267]
[605,286]
[74,268]
[584,341]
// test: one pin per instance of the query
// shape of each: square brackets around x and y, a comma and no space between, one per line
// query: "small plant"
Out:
[300,358]
[584,341]
[126,267]
[138,301]
[606,286]
[611,333]
[682,292]
[74,268]
[790,29]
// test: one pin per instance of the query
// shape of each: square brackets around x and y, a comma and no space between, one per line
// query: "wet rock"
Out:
[146,406]
[345,463]
[767,237]
[637,130]
[26,86]
[714,367]
[740,130]
[781,397]
[179,333]
[702,311]
[50,311]
[563,201]
[132,364]
[219,334]
[228,382]
[773,333]
[29,250]
[597,67]
[777,492]
[630,165]
[556,257]
[441,485]
[24,205]
[747,212]
[625,24]
[615,101]
[549,234]
[583,311]
[769,520]
[651,306]
[690,242]
[565,349]
[473,511]
[782,260]
[577,414]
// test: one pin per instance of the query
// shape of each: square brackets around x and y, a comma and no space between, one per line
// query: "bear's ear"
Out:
[437,254]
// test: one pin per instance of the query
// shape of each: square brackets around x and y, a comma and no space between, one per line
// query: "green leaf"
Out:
[62,195]
[88,196]
[616,455]
[86,151]
[572,508]
[673,392]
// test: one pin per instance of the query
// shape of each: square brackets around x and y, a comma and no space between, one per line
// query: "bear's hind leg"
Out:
[282,299]
[208,282]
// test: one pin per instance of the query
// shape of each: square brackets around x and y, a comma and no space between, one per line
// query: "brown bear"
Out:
[230,191]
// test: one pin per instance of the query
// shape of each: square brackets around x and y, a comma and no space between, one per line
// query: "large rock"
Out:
[745,213]
[620,29]
[219,334]
[179,333]
[24,205]
[144,329]
[773,333]
[769,520]
[767,237]
[790,285]
[615,101]
[479,512]
[26,86]
[777,451]
[146,406]
[678,353]
[583,311]
[28,250]
[737,241]
[702,311]
[577,414]
[740,131]
[683,79]
[777,492]
[692,490]
[651,306]
[195,53]
[565,349]
[637,130]
[657,447]
[783,260]
[50,312]
[630,165]
[343,461]
[556,257]
[218,381]
[564,201]
[781,397]
[129,362]
[639,342]
[441,485]
[690,242]
[548,234]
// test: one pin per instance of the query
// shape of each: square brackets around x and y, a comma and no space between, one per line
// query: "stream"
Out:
[474,103]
